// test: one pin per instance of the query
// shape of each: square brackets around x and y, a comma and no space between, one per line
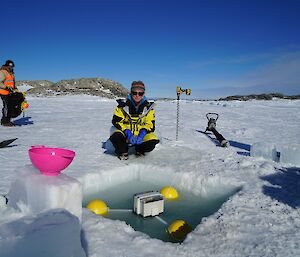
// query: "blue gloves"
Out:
[135,140]
[130,136]
[140,137]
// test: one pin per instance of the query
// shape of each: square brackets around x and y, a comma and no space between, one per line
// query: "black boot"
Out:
[6,122]
[123,156]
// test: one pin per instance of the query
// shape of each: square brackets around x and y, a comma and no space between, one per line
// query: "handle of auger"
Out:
[212,113]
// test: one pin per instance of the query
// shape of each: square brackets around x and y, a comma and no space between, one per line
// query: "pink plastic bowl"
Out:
[51,161]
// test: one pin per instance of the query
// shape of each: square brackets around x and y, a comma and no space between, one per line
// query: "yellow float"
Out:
[98,207]
[169,193]
[179,229]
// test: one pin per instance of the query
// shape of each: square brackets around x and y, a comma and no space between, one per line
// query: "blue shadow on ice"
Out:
[23,121]
[241,146]
[108,147]
[284,186]
[84,242]
[110,150]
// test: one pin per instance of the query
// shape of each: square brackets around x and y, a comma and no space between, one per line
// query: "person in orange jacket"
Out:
[10,97]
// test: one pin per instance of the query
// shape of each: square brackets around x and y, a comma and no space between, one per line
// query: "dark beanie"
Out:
[137,85]
[9,63]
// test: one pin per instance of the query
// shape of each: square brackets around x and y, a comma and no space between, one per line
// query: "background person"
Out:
[134,120]
[10,97]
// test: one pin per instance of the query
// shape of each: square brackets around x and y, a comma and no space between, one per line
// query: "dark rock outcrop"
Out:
[259,97]
[89,86]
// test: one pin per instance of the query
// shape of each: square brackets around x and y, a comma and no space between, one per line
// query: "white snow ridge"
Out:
[44,217]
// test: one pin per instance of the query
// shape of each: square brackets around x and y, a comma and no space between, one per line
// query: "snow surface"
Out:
[262,219]
[24,87]
[290,154]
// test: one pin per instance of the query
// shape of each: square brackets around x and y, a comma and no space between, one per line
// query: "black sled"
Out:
[5,143]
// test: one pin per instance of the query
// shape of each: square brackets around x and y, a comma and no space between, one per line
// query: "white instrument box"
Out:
[148,203]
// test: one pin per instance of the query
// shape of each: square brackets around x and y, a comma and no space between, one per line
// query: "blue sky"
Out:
[216,48]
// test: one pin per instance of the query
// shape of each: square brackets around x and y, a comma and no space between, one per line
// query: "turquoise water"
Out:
[188,207]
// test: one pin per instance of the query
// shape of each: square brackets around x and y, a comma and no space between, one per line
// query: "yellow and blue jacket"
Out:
[135,118]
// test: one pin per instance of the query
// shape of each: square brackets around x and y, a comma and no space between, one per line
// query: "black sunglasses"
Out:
[137,93]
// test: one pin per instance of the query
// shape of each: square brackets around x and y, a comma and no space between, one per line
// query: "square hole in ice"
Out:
[197,198]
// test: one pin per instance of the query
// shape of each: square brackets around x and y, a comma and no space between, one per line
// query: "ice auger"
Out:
[212,118]
[180,91]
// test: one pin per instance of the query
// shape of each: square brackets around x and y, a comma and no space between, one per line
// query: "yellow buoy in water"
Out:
[98,206]
[169,193]
[179,229]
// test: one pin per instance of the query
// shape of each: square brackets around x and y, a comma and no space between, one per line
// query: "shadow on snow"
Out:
[241,146]
[23,121]
[285,186]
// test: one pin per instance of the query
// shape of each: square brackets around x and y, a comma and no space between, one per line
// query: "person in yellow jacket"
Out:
[10,97]
[134,120]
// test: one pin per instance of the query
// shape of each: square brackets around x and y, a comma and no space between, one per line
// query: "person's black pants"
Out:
[5,119]
[121,146]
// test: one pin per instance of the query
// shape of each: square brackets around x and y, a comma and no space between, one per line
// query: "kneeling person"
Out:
[134,120]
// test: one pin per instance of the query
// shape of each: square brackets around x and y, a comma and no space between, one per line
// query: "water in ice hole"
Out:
[189,207]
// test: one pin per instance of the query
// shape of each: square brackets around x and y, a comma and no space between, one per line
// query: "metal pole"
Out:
[179,91]
[177,124]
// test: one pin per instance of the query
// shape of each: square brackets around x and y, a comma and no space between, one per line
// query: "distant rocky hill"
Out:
[89,86]
[259,97]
